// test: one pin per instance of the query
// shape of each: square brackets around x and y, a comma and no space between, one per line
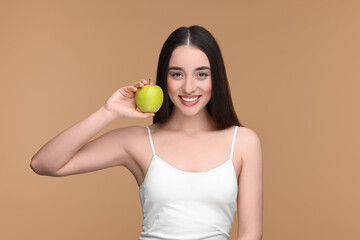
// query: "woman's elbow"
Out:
[39,168]
[36,167]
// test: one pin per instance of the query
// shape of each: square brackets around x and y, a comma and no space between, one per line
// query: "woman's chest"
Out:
[199,153]
[193,153]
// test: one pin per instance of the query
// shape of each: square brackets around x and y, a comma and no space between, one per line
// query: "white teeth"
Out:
[189,99]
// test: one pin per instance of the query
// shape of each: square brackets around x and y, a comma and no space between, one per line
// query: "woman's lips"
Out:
[189,100]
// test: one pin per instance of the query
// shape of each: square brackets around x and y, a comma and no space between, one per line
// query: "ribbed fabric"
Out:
[180,205]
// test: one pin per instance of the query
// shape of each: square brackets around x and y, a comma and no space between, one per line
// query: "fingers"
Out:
[133,88]
[130,89]
[140,84]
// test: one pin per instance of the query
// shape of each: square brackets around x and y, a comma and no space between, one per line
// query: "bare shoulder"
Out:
[130,137]
[248,142]
[247,136]
[133,138]
[132,131]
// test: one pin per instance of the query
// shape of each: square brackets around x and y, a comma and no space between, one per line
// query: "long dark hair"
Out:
[220,106]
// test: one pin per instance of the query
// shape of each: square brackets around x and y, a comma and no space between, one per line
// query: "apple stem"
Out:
[149,81]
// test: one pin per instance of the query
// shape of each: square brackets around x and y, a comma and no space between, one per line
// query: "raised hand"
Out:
[122,102]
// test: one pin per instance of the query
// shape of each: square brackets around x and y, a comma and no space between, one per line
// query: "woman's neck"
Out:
[190,124]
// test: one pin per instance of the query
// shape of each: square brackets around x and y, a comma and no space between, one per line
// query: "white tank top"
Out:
[180,205]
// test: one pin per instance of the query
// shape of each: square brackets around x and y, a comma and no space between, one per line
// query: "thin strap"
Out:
[151,141]
[233,142]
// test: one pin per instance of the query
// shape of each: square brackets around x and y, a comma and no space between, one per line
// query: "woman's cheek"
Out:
[207,85]
[210,85]
[171,89]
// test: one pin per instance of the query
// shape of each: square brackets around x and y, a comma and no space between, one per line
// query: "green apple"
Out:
[149,98]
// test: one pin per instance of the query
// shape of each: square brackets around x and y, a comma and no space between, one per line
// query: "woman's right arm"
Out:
[70,152]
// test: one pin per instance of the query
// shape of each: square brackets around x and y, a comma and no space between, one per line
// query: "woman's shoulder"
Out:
[248,144]
[247,136]
[127,136]
[131,131]
[131,138]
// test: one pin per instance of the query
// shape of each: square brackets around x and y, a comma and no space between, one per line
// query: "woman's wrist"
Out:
[106,114]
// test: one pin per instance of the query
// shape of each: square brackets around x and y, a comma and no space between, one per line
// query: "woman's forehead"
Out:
[188,57]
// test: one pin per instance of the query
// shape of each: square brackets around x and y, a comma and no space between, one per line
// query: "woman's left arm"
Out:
[250,194]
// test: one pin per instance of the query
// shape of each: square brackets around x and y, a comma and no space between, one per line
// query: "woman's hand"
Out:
[122,103]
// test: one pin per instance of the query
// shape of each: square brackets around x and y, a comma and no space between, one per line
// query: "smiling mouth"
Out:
[190,98]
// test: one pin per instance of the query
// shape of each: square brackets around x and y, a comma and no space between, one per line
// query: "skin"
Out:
[191,129]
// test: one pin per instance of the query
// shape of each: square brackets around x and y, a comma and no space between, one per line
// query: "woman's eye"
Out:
[203,75]
[176,75]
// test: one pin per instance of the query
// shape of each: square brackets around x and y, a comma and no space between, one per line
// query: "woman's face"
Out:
[189,80]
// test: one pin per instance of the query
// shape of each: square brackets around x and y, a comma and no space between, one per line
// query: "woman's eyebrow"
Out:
[197,69]
[175,68]
[202,68]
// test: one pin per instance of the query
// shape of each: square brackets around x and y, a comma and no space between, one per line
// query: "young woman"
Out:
[194,166]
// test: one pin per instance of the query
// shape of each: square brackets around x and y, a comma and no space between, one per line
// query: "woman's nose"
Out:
[189,85]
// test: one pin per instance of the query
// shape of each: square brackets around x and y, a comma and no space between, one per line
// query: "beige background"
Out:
[294,72]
